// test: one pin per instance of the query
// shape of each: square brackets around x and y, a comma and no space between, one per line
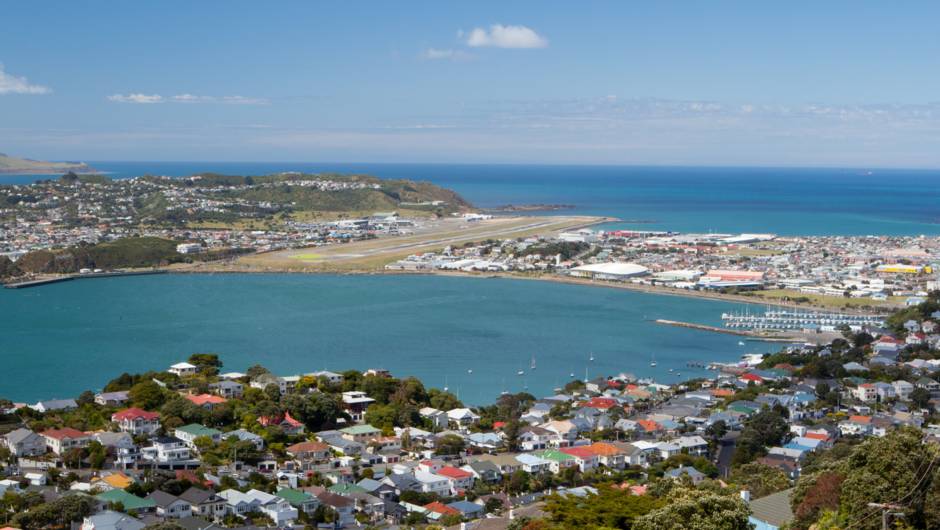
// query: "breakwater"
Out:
[703,328]
[59,279]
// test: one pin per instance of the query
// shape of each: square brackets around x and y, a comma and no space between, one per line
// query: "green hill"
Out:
[12,165]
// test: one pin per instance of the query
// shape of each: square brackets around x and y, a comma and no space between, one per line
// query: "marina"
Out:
[791,320]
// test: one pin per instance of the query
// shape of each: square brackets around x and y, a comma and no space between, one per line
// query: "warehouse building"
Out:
[609,271]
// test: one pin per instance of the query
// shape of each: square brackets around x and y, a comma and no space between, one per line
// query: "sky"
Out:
[830,84]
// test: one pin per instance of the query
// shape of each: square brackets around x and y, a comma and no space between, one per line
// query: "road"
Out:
[725,452]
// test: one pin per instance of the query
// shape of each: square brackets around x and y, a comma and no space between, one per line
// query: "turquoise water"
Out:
[783,201]
[62,339]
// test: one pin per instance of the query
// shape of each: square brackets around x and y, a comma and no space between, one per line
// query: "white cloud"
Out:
[506,37]
[189,98]
[19,85]
[136,98]
[457,56]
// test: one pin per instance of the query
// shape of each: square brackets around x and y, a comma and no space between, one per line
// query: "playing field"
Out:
[308,256]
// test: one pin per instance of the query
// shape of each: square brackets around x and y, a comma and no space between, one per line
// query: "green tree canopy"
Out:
[689,509]
[609,508]
[256,371]
[761,480]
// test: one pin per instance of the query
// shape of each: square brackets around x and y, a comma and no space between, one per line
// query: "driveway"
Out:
[725,451]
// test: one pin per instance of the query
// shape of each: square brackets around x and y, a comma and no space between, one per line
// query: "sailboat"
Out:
[503,393]
[445,384]
[520,369]
[653,364]
[526,385]
[533,362]
[572,371]
[741,343]
[557,388]
[592,356]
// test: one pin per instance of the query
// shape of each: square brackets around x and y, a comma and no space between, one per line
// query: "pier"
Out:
[703,328]
[58,279]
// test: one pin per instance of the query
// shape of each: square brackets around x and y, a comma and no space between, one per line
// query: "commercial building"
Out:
[609,271]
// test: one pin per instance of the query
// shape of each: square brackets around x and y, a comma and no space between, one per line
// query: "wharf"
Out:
[59,279]
[703,328]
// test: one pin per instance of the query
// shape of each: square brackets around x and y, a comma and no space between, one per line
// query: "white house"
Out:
[137,422]
[167,449]
[462,416]
[903,390]
[438,417]
[280,510]
[696,445]
[183,369]
[431,483]
[55,404]
[61,441]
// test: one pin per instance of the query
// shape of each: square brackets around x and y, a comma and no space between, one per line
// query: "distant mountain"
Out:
[15,166]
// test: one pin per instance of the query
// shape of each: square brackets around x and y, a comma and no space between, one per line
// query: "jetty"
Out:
[795,320]
[703,328]
[24,284]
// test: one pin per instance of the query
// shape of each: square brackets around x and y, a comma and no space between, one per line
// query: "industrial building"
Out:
[609,271]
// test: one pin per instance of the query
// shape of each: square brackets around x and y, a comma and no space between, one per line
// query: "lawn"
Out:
[829,301]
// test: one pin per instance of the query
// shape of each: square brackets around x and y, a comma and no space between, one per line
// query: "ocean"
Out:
[782,201]
[62,339]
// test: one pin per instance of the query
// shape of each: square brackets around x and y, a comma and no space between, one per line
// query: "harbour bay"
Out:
[82,334]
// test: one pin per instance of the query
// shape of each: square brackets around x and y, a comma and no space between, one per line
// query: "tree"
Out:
[146,395]
[273,392]
[886,469]
[206,361]
[824,495]
[822,388]
[367,473]
[256,371]
[86,397]
[761,480]
[321,408]
[770,427]
[689,509]
[511,434]
[717,430]
[609,508]
[920,396]
[204,444]
[493,504]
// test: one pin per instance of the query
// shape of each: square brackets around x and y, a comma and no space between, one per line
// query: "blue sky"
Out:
[679,83]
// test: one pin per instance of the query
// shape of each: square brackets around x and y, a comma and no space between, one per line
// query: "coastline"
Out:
[555,279]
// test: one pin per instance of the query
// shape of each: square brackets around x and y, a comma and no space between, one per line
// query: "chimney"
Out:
[746,495]
[511,515]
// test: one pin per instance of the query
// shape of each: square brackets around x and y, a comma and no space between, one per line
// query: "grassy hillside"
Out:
[13,165]
[389,195]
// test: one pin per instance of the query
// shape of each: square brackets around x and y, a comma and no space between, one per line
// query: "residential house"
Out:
[360,433]
[356,404]
[263,380]
[885,390]
[204,503]
[129,501]
[534,438]
[110,520]
[533,464]
[61,441]
[170,506]
[609,455]
[682,471]
[462,416]
[207,401]
[585,458]
[193,431]
[243,435]
[126,452]
[557,460]
[694,445]
[303,501]
[506,463]
[633,455]
[112,399]
[866,393]
[565,432]
[137,422]
[277,508]
[485,471]
[55,404]
[903,390]
[431,483]
[290,425]
[228,389]
[167,449]
[438,418]
[310,450]
[458,479]
[856,425]
[467,509]
[343,506]
[183,369]
[929,384]
[24,442]
[387,445]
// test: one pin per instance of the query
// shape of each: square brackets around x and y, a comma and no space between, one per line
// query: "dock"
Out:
[703,328]
[58,279]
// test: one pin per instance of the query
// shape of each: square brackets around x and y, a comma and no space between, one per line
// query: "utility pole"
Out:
[886,511]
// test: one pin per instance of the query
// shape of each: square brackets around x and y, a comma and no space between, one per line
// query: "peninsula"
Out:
[23,166]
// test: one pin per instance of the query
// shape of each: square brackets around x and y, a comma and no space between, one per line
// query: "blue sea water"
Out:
[62,339]
[783,201]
